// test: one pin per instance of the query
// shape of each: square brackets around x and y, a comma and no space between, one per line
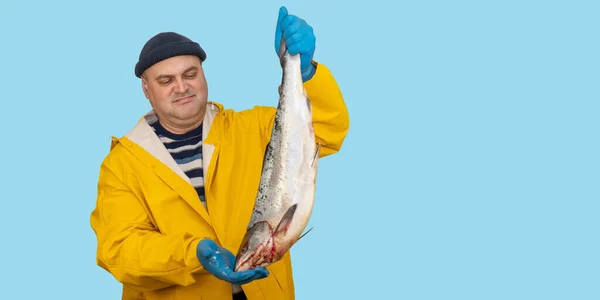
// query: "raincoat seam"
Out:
[168,272]
[126,188]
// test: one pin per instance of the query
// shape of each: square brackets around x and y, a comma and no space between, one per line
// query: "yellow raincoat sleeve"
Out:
[130,248]
[331,119]
[330,114]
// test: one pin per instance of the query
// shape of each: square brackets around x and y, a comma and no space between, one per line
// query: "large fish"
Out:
[286,193]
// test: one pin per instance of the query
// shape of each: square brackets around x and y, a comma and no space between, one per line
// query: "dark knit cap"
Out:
[166,45]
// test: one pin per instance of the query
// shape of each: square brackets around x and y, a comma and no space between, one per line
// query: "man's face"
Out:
[177,90]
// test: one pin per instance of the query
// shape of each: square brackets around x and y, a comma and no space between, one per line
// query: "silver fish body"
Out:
[286,193]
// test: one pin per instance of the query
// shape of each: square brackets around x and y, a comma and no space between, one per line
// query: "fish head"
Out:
[257,247]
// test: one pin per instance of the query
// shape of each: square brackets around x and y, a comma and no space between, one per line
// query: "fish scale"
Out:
[286,192]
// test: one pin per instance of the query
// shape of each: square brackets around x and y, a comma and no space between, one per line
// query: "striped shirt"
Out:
[186,149]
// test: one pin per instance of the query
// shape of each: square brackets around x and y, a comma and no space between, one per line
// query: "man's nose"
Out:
[180,86]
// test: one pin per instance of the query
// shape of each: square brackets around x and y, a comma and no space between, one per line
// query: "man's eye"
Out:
[190,75]
[164,81]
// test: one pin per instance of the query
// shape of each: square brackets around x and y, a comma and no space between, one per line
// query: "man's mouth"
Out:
[184,99]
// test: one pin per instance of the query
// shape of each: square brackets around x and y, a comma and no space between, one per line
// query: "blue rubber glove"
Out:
[299,38]
[221,263]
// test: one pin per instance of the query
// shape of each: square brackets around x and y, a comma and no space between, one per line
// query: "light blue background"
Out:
[471,169]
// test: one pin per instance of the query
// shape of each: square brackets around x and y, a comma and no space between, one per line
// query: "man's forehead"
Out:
[175,65]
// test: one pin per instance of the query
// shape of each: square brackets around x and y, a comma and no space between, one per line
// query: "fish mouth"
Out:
[260,256]
[256,251]
[263,244]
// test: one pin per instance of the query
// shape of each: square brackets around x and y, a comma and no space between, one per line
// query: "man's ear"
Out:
[145,86]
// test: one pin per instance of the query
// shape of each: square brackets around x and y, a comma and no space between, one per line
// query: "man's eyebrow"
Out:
[192,68]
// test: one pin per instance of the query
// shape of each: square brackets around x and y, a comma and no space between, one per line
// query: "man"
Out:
[176,193]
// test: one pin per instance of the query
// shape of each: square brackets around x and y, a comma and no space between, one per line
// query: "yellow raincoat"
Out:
[148,218]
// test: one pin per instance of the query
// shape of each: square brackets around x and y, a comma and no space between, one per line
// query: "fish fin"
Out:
[304,234]
[316,156]
[286,220]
